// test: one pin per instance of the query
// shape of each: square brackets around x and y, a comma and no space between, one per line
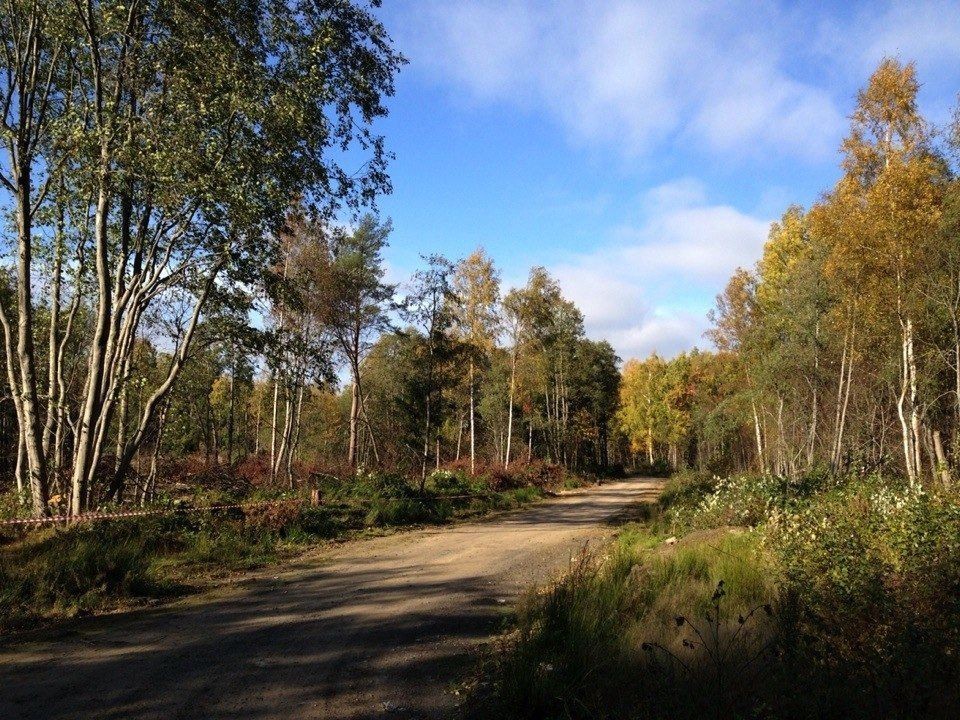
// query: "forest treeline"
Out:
[441,369]
[192,269]
[840,350]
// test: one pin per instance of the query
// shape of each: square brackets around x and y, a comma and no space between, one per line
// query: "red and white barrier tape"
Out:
[89,517]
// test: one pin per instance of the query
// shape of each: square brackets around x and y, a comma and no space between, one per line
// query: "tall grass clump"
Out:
[62,572]
[75,570]
[604,640]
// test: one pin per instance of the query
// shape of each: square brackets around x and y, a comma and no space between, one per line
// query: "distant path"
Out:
[374,628]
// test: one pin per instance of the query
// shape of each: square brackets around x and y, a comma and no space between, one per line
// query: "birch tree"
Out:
[476,287]
[527,316]
[357,307]
[428,305]
[892,179]
[185,172]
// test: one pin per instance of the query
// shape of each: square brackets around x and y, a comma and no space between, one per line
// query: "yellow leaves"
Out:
[886,123]
[220,394]
[733,316]
[788,244]
[476,284]
[637,390]
[884,231]
[881,220]
[655,398]
[890,98]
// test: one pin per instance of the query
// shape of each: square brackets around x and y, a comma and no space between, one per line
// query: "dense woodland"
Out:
[840,350]
[193,281]
[193,270]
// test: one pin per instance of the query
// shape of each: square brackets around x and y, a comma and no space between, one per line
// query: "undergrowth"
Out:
[66,571]
[606,641]
[755,597]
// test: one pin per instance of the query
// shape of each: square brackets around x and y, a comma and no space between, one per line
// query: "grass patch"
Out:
[65,572]
[582,648]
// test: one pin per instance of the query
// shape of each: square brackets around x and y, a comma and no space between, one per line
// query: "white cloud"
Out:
[676,194]
[667,334]
[927,31]
[650,287]
[604,295]
[631,72]
[703,242]
[760,109]
[479,44]
[731,77]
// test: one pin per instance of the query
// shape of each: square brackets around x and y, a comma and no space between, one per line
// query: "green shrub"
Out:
[377,485]
[317,522]
[871,582]
[686,488]
[13,505]
[392,512]
[454,482]
[695,501]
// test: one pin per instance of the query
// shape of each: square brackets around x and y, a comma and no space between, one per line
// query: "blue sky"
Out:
[638,150]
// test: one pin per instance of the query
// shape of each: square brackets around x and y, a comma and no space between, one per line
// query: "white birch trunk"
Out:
[513,385]
[759,437]
[473,436]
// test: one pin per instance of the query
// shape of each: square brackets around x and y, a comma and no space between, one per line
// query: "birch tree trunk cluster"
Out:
[151,151]
[839,349]
[541,378]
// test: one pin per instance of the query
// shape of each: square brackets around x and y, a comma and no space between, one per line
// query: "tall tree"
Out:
[526,311]
[639,400]
[358,306]
[596,385]
[428,305]
[476,286]
[892,180]
[36,40]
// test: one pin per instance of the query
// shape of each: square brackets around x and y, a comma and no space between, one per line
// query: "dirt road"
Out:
[375,628]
